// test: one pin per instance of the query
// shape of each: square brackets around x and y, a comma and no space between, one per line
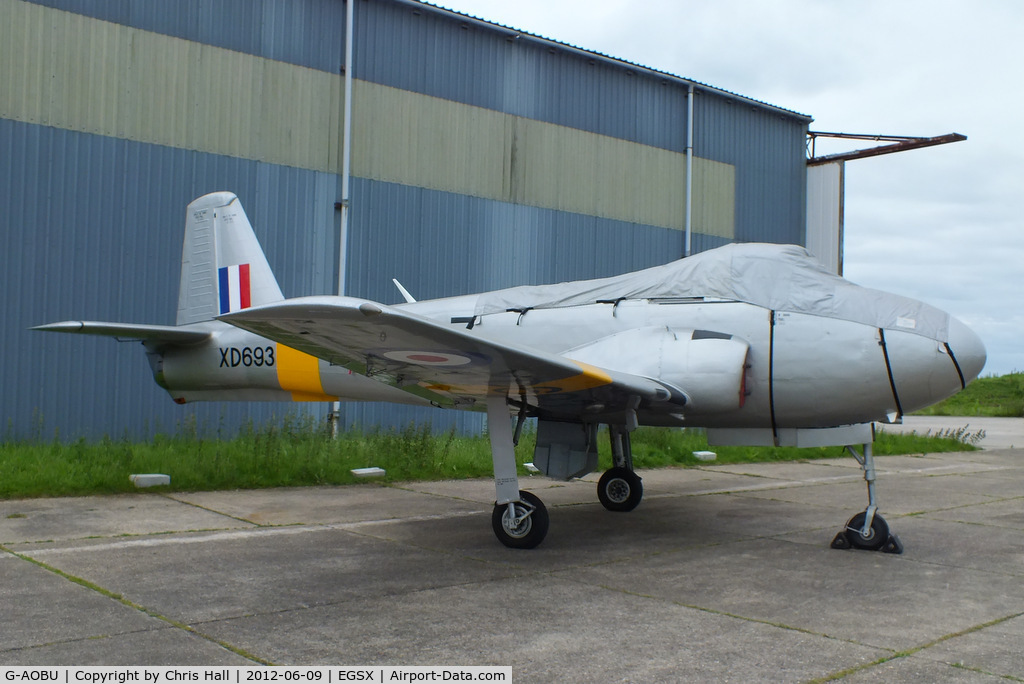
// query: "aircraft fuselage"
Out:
[799,371]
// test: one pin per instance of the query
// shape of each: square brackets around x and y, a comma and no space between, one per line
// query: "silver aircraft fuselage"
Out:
[800,371]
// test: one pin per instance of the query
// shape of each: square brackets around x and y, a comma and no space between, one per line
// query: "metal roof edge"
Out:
[617,61]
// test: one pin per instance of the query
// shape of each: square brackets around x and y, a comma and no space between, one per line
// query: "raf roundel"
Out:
[428,358]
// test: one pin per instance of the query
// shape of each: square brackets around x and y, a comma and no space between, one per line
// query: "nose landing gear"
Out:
[867,530]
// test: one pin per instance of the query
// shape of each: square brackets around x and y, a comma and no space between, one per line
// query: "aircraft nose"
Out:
[967,348]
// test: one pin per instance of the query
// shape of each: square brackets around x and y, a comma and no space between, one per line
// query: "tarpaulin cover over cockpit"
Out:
[778,277]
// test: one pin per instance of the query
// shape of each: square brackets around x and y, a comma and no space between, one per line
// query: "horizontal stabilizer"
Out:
[130,331]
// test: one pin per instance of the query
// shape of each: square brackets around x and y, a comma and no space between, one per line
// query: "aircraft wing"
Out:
[451,367]
[170,334]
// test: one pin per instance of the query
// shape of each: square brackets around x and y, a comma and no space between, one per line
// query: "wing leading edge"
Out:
[450,367]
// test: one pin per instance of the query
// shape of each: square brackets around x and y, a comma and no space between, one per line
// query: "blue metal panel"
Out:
[92,226]
[439,53]
[309,33]
[444,55]
[440,244]
[767,151]
[92,230]
[408,46]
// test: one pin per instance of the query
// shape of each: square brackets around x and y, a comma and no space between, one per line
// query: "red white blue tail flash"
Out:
[235,292]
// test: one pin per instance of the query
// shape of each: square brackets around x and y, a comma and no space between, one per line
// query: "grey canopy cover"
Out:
[777,277]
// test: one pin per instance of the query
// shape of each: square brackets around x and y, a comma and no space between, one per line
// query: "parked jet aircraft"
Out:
[757,343]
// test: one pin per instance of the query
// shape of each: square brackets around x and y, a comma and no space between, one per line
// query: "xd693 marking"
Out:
[233,357]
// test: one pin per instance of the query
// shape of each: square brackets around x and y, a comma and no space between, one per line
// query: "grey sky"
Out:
[941,224]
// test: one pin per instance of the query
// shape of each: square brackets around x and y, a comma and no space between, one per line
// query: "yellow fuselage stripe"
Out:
[299,373]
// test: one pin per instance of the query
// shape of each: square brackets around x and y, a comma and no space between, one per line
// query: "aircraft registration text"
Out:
[233,357]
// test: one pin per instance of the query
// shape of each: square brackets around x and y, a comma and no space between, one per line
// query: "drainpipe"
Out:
[346,168]
[346,148]
[689,167]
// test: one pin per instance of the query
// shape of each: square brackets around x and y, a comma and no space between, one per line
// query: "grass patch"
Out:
[995,396]
[660,447]
[301,453]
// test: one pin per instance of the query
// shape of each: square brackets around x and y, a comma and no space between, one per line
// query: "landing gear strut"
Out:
[620,488]
[519,519]
[867,530]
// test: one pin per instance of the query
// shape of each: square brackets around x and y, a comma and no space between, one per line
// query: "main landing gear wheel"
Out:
[620,489]
[526,527]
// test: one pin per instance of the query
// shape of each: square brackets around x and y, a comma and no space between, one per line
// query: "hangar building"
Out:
[481,157]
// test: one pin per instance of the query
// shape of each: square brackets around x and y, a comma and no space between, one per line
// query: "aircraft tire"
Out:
[530,532]
[878,537]
[620,489]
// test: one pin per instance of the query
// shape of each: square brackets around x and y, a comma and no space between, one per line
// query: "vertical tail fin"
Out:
[223,267]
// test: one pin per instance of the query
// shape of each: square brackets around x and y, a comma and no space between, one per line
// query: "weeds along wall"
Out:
[482,157]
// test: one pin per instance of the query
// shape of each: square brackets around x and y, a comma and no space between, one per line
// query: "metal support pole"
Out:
[346,168]
[346,151]
[689,169]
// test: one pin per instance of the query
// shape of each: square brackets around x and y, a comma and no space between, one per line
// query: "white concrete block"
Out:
[368,472]
[150,480]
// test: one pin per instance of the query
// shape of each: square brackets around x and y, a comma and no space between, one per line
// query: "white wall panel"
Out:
[825,214]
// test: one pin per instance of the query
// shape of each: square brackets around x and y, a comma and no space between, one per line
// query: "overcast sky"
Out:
[941,224]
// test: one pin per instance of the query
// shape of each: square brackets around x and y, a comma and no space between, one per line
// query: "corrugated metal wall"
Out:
[306,33]
[404,45]
[767,151]
[92,230]
[72,72]
[430,142]
[482,158]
